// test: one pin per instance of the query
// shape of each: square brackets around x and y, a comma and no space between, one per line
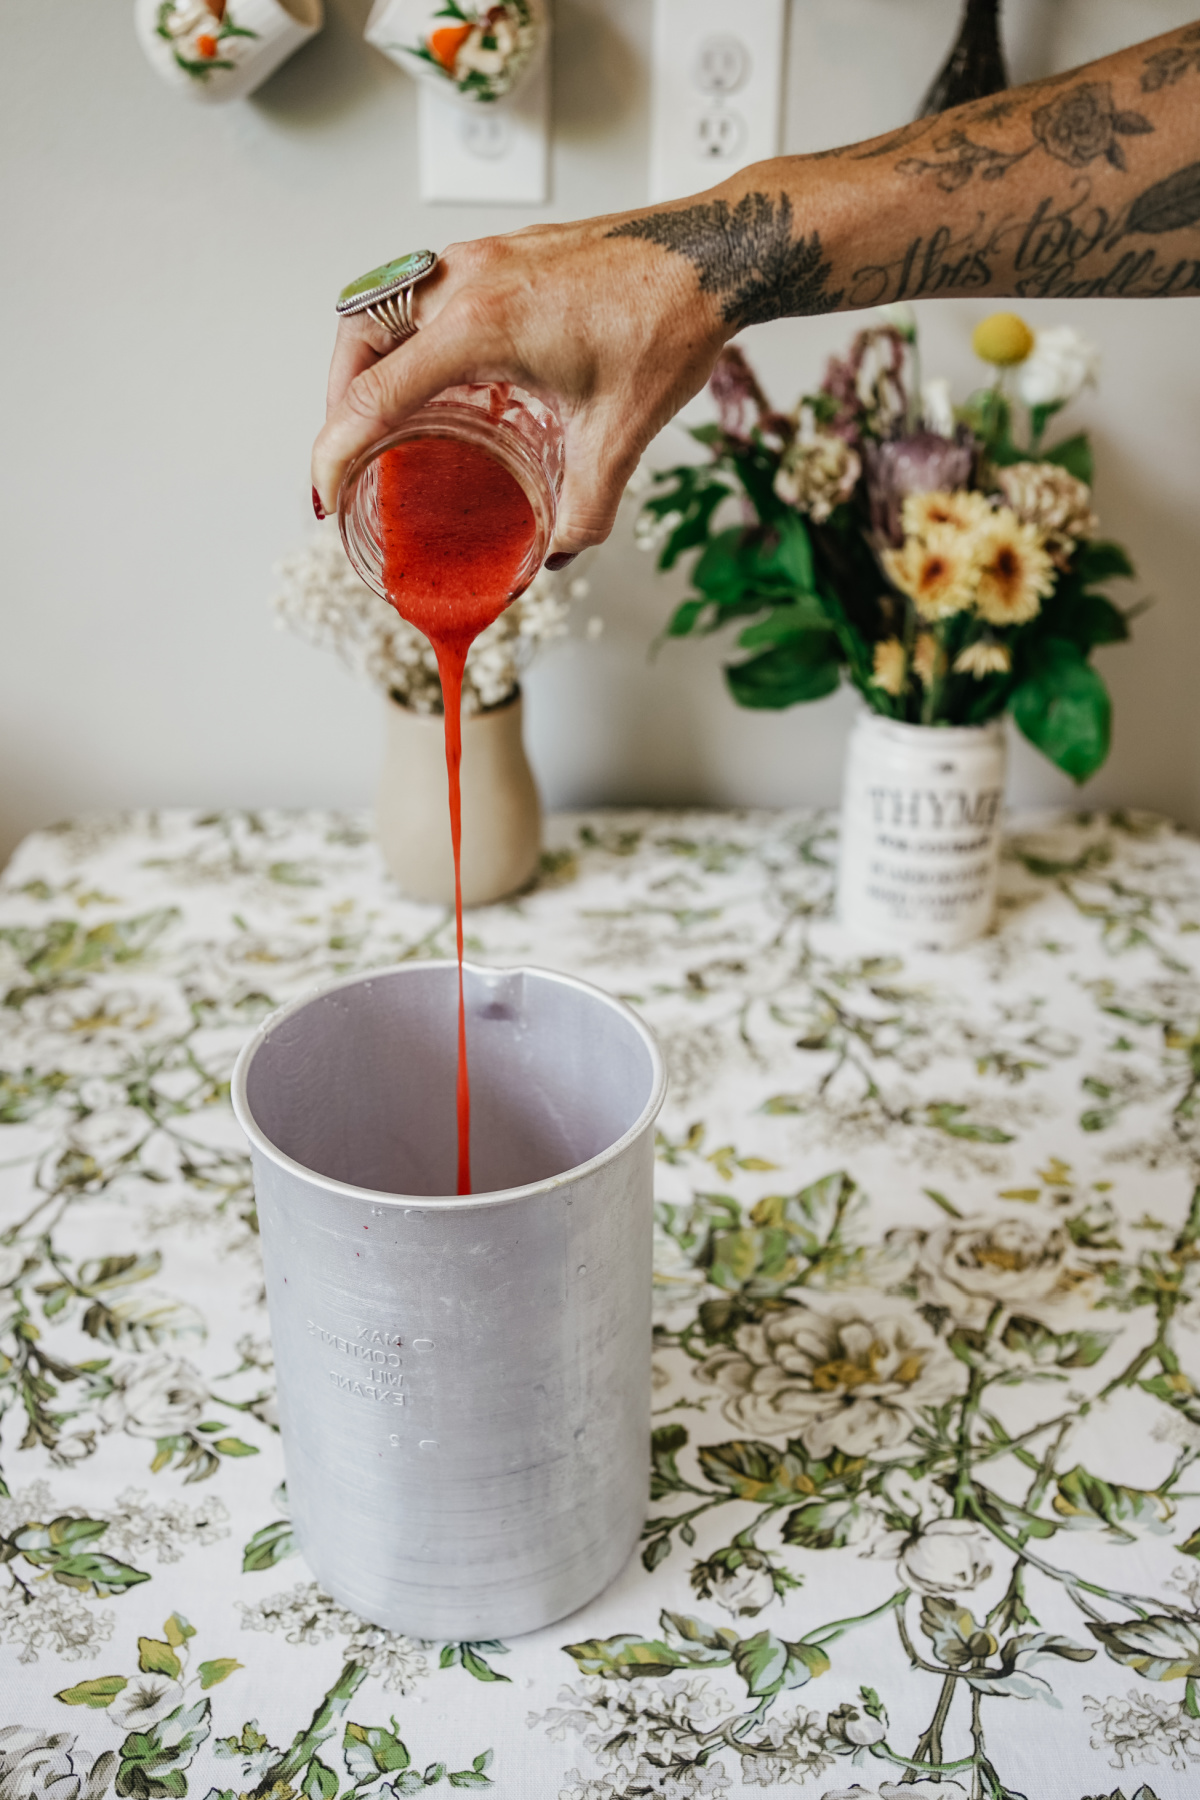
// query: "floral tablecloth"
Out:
[926,1504]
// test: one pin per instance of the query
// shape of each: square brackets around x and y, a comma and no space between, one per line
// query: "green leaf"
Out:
[102,1690]
[269,1545]
[655,1552]
[370,1750]
[1074,455]
[822,1524]
[451,1656]
[320,1782]
[1100,560]
[784,624]
[1190,1547]
[666,1441]
[1063,707]
[474,1664]
[1085,1499]
[155,1658]
[694,1645]
[91,1571]
[231,1446]
[177,1631]
[761,1661]
[947,1116]
[685,617]
[219,1669]
[806,668]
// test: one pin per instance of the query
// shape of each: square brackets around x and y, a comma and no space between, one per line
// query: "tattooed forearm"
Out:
[746,256]
[1074,186]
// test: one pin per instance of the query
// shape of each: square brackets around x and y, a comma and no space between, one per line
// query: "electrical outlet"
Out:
[716,90]
[486,153]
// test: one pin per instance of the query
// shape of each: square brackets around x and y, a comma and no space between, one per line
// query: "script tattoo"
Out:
[746,255]
[1163,68]
[1067,247]
[1076,128]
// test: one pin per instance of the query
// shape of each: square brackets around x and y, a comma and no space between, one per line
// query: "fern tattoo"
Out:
[746,255]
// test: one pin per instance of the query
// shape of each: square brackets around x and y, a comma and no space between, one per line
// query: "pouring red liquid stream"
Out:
[456,528]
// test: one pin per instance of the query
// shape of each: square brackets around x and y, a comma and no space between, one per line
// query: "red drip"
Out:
[456,529]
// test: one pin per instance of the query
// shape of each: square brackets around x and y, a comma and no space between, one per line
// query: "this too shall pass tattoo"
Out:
[746,256]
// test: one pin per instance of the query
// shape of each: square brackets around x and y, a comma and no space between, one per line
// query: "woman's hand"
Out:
[614,336]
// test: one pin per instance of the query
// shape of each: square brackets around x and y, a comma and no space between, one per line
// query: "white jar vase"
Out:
[501,811]
[920,832]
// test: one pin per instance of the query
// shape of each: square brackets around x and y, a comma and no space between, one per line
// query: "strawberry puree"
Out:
[456,529]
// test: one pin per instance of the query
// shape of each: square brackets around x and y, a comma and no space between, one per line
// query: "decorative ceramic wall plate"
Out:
[476,52]
[216,50]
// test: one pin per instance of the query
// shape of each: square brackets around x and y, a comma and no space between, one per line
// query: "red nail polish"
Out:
[560,559]
[317,507]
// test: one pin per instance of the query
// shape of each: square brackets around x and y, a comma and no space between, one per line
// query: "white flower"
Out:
[851,1726]
[107,1137]
[852,1377]
[137,1525]
[35,1765]
[306,1614]
[743,1591]
[1057,503]
[1058,367]
[154,1396]
[146,1700]
[56,1620]
[323,601]
[937,406]
[1141,1729]
[975,1265]
[950,1557]
[817,474]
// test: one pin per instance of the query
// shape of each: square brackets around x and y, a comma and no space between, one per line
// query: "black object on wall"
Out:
[975,65]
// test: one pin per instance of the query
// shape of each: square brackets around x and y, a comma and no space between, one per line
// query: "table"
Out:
[927,1431]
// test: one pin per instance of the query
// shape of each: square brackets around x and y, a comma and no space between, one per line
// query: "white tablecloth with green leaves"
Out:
[926,1504]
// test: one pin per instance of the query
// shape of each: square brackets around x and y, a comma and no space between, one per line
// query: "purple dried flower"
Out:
[867,385]
[734,387]
[913,465]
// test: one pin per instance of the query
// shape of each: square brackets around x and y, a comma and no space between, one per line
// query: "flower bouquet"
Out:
[947,560]
[322,600]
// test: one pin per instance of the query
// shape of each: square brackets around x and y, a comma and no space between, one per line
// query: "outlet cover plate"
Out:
[495,153]
[716,91]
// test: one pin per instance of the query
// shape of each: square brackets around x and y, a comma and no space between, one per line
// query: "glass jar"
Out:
[521,432]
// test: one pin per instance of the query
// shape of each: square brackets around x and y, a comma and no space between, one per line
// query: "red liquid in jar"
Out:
[456,529]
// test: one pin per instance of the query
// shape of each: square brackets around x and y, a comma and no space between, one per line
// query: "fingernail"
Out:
[317,507]
[560,559]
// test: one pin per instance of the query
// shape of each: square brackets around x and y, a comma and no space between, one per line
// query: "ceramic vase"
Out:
[501,811]
[920,832]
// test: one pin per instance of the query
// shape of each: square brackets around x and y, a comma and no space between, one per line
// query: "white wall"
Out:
[166,292]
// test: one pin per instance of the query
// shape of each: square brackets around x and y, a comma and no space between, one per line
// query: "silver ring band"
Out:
[395,314]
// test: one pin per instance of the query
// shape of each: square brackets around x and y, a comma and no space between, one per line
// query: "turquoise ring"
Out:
[385,294]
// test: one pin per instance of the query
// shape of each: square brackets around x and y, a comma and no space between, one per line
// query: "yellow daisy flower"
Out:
[889,666]
[983,659]
[1013,570]
[936,572]
[957,508]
